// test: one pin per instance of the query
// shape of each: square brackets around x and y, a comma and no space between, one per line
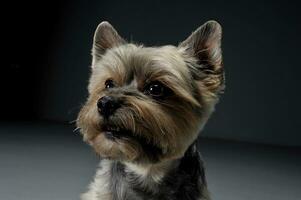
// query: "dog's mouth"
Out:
[112,132]
[118,133]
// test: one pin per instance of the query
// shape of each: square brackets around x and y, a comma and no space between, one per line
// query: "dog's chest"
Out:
[117,181]
[130,185]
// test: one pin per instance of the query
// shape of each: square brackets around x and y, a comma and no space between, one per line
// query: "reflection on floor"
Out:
[47,161]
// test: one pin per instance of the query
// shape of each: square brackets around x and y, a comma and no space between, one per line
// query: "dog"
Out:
[145,110]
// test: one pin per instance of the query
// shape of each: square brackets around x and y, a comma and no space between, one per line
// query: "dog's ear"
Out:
[204,44]
[105,37]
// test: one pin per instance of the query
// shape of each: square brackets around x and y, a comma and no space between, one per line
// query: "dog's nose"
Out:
[107,105]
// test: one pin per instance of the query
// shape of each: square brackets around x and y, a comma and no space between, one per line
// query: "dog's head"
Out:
[148,104]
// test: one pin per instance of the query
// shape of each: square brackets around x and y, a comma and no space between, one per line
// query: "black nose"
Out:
[107,105]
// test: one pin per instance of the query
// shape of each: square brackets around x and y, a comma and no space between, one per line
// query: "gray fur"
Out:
[183,179]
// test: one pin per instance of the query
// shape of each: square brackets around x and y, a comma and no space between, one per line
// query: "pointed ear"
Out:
[204,45]
[105,37]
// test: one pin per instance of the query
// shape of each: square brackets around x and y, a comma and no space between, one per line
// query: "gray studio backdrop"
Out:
[261,56]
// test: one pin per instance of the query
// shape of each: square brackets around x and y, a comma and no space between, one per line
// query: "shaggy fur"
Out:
[148,151]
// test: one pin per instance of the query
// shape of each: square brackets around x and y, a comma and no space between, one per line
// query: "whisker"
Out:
[76,129]
[73,121]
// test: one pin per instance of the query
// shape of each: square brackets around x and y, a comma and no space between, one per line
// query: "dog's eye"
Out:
[155,89]
[109,84]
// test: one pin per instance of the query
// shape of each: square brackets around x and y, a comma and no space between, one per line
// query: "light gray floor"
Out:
[47,161]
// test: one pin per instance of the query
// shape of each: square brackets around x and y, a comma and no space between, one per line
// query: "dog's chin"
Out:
[114,142]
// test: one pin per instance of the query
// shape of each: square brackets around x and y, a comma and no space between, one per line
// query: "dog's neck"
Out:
[151,173]
[153,181]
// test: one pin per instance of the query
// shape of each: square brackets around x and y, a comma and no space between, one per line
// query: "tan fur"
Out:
[165,64]
[193,71]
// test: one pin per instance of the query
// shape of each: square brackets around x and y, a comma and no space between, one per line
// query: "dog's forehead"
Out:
[129,61]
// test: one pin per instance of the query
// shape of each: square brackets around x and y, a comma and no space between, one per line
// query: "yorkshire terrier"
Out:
[145,110]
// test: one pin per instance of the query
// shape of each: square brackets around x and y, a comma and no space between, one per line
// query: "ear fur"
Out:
[105,37]
[204,45]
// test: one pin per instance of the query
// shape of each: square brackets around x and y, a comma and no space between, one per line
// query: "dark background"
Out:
[252,143]
[46,48]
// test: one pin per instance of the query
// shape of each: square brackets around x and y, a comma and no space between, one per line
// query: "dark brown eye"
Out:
[109,84]
[155,89]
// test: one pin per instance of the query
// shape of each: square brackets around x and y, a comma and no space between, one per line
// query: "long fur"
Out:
[154,157]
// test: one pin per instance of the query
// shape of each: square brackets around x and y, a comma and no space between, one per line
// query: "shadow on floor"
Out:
[48,161]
